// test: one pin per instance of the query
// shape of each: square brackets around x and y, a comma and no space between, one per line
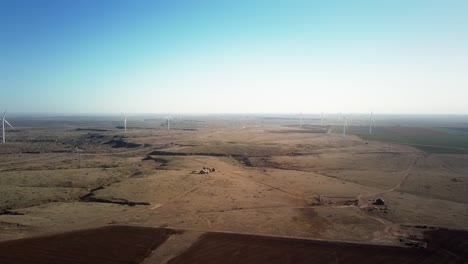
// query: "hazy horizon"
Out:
[284,114]
[241,57]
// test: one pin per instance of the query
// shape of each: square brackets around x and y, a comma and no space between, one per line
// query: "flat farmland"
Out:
[433,139]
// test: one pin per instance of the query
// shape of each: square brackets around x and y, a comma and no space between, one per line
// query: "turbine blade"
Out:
[9,124]
[4,113]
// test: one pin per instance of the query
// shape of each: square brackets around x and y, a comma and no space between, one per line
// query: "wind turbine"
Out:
[78,151]
[125,122]
[301,119]
[3,125]
[169,118]
[371,122]
[345,125]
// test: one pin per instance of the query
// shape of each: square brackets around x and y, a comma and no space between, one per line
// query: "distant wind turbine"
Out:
[78,152]
[3,125]
[371,122]
[345,125]
[125,122]
[350,118]
[301,119]
[169,118]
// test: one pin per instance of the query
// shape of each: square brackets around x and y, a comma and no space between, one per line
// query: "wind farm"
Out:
[319,179]
[279,132]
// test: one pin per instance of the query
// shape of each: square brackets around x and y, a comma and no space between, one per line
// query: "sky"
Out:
[276,56]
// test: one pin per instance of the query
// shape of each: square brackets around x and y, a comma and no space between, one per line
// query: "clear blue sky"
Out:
[99,56]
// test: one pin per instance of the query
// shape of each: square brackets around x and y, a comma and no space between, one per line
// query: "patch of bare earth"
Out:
[110,244]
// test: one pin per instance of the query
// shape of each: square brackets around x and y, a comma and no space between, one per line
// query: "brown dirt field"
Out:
[111,244]
[432,177]
[234,248]
[452,240]
[133,244]
[413,131]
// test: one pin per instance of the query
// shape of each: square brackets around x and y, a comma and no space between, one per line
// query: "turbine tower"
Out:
[345,125]
[371,122]
[78,152]
[169,118]
[301,119]
[125,122]
[3,125]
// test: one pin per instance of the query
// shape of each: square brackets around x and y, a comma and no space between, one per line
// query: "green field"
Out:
[433,140]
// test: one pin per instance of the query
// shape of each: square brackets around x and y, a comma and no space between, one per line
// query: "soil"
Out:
[235,248]
[454,241]
[110,244]
[131,244]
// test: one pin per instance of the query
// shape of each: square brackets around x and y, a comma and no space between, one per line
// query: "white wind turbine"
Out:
[345,125]
[78,152]
[125,122]
[169,118]
[301,119]
[371,122]
[3,125]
